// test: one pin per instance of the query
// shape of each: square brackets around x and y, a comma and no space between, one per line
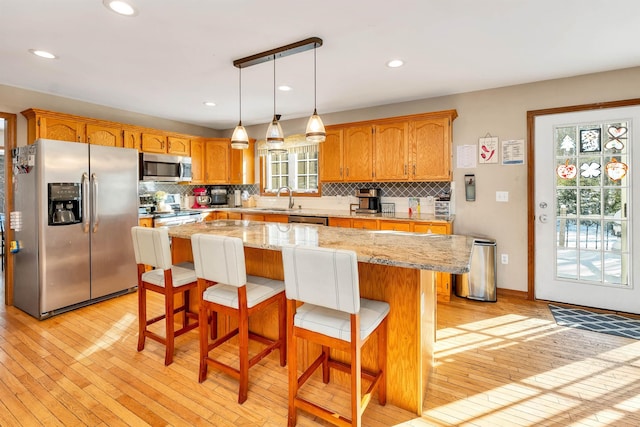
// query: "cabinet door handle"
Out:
[341,172]
[414,170]
[347,172]
[405,169]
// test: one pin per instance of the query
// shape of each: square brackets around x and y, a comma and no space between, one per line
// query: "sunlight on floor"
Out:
[508,376]
[109,337]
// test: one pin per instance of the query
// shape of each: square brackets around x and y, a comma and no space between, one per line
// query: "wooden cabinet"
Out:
[358,154]
[395,149]
[132,139]
[364,224]
[431,227]
[331,157]
[178,146]
[276,218]
[242,165]
[253,217]
[107,135]
[162,144]
[50,125]
[340,222]
[216,161]
[394,225]
[154,143]
[431,141]
[391,151]
[197,161]
[145,222]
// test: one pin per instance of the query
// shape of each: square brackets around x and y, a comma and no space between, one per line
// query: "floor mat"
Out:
[613,324]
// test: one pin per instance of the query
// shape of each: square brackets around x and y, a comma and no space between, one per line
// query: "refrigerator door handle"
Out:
[94,208]
[85,202]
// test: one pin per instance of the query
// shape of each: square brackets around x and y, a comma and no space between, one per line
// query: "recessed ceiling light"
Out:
[209,103]
[395,63]
[43,54]
[120,7]
[285,88]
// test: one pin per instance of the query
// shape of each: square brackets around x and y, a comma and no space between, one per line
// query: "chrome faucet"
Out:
[290,195]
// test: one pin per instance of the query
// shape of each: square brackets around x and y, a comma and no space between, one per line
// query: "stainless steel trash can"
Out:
[480,283]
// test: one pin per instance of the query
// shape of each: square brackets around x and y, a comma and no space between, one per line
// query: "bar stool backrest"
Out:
[151,246]
[219,259]
[322,276]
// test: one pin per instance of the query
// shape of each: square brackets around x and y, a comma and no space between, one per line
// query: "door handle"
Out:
[85,202]
[94,208]
[543,218]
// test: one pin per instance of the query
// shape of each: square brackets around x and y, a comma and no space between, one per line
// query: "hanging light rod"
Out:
[279,52]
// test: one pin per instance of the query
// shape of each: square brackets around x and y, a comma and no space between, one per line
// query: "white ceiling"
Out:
[175,54]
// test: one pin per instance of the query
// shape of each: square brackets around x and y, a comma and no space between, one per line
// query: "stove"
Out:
[176,218]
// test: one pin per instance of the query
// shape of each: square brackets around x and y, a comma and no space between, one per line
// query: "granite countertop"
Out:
[447,253]
[336,213]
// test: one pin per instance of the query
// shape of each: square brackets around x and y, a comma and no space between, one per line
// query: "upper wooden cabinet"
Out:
[391,151]
[197,161]
[331,156]
[154,143]
[178,146]
[358,153]
[67,127]
[220,164]
[406,148]
[242,164]
[132,138]
[431,141]
[216,160]
[110,136]
[50,125]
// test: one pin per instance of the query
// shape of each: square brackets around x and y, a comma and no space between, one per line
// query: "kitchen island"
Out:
[396,267]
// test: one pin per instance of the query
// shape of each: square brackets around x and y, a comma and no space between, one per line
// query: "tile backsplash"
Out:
[387,189]
[334,195]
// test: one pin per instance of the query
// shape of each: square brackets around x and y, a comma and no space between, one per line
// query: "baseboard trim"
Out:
[512,293]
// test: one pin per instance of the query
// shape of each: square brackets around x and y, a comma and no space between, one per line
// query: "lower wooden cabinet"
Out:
[395,225]
[340,222]
[145,222]
[365,224]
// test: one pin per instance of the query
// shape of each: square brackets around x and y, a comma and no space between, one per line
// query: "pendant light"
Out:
[315,128]
[240,138]
[275,136]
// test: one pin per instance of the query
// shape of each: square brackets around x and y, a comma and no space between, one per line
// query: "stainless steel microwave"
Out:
[164,168]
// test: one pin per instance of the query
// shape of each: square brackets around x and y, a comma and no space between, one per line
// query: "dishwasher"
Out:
[308,219]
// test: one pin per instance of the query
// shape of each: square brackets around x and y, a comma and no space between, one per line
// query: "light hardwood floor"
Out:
[502,364]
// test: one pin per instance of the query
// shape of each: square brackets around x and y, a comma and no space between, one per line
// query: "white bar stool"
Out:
[152,248]
[220,260]
[334,316]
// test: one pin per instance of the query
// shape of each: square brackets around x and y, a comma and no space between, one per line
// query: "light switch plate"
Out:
[502,196]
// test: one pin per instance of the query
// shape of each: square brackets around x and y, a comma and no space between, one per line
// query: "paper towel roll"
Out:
[237,199]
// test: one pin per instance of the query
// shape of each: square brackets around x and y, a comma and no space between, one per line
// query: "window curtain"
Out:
[292,144]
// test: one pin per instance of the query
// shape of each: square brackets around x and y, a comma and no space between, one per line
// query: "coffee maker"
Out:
[368,200]
[65,200]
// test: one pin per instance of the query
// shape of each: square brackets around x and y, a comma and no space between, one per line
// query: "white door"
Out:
[587,227]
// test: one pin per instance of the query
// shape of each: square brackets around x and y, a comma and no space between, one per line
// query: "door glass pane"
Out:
[592,202]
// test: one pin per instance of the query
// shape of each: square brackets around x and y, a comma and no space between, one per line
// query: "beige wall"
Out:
[500,112]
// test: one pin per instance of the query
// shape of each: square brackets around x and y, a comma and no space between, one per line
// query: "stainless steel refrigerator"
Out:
[74,208]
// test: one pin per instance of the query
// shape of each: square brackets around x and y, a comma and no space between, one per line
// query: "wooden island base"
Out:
[411,325]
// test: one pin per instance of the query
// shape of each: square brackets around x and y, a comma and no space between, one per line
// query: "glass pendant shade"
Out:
[240,138]
[275,136]
[315,129]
